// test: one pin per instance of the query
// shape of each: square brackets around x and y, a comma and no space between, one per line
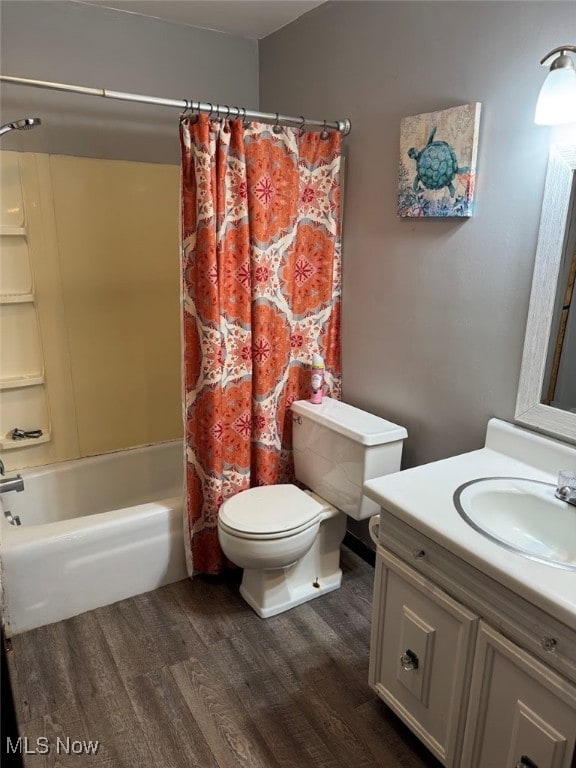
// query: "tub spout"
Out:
[11,484]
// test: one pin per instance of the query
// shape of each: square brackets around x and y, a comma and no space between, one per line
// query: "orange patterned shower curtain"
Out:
[260,294]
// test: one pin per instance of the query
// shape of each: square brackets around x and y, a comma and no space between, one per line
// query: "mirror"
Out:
[544,339]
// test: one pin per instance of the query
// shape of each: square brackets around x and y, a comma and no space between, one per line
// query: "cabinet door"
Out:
[521,714]
[420,655]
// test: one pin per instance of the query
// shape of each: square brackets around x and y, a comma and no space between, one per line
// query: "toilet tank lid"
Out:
[358,425]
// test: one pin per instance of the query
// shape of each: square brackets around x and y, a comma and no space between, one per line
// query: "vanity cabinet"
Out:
[421,654]
[479,675]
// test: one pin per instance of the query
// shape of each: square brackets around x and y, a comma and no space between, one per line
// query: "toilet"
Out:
[286,539]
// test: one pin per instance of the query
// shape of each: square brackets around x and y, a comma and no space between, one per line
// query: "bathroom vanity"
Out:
[473,642]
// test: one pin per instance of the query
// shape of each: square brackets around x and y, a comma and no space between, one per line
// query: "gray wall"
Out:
[97,47]
[433,310]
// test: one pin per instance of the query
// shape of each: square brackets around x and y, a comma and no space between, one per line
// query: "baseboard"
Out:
[360,548]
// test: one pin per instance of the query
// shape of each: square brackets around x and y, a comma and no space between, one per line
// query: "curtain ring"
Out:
[324,134]
[276,128]
[226,124]
[211,109]
[244,118]
[187,109]
[301,126]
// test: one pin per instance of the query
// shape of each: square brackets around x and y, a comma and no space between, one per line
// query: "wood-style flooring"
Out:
[189,677]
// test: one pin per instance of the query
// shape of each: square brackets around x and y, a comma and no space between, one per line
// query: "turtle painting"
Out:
[437,169]
[436,165]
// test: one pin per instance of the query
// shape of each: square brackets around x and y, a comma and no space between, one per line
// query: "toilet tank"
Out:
[338,447]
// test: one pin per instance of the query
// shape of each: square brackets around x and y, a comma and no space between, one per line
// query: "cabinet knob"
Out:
[409,660]
[418,554]
[549,643]
[525,762]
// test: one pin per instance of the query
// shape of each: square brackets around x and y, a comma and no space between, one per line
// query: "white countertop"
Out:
[423,498]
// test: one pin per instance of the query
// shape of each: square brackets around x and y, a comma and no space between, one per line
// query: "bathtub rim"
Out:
[15,536]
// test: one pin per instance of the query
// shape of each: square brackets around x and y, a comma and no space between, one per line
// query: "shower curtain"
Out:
[261,293]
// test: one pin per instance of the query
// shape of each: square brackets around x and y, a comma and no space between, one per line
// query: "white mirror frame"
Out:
[530,411]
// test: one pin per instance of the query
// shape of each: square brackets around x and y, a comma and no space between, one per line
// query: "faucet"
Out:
[11,484]
[566,486]
[564,493]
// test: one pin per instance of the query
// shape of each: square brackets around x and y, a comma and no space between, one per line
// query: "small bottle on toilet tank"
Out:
[317,379]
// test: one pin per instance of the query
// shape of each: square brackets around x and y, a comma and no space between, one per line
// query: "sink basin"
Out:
[522,515]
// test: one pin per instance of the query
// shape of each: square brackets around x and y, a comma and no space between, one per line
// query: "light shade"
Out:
[557,101]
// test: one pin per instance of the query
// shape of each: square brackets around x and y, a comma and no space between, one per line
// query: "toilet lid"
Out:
[270,509]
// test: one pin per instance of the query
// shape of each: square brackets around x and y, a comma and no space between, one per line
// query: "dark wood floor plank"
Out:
[98,684]
[343,612]
[164,619]
[389,739]
[359,594]
[314,652]
[213,606]
[92,671]
[358,582]
[173,736]
[233,738]
[325,719]
[135,650]
[272,707]
[122,739]
[61,733]
[39,672]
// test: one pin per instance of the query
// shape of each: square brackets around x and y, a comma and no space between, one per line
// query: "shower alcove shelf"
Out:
[23,396]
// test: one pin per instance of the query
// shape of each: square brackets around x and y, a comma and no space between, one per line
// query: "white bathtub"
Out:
[92,532]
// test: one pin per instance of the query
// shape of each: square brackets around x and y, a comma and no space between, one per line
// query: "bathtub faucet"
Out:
[11,484]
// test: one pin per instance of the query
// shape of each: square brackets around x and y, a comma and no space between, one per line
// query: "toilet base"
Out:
[270,592]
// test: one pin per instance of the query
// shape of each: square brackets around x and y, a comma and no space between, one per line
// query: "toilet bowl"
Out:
[287,539]
[290,555]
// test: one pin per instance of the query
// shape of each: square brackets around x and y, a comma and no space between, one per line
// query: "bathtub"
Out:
[93,531]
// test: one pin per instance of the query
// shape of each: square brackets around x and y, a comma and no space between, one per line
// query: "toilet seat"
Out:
[269,512]
[266,536]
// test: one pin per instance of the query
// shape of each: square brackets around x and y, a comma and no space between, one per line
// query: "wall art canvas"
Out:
[438,162]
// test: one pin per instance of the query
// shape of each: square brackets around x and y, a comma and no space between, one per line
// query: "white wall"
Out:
[434,311]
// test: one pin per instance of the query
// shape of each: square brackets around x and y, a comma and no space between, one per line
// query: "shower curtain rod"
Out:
[218,110]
